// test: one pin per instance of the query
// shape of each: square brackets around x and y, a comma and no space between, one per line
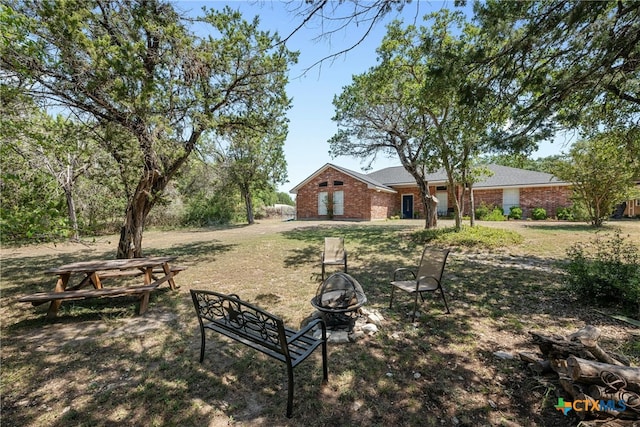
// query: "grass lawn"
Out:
[100,364]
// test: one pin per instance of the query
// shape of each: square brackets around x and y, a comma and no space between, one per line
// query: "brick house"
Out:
[333,192]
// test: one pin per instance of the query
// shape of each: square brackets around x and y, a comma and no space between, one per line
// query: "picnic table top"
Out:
[113,264]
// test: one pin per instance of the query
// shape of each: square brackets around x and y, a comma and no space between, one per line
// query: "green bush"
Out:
[482,211]
[476,237]
[605,269]
[565,214]
[489,213]
[515,212]
[539,214]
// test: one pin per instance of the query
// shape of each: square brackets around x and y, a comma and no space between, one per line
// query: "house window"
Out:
[323,184]
[637,202]
[338,202]
[510,198]
[323,202]
[441,188]
[338,183]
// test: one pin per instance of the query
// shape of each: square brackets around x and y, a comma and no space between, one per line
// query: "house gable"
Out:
[362,198]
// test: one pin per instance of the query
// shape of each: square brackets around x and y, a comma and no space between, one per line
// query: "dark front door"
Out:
[407,206]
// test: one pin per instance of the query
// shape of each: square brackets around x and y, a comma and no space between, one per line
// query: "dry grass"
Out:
[99,364]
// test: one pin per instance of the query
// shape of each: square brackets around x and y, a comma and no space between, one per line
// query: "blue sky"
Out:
[310,125]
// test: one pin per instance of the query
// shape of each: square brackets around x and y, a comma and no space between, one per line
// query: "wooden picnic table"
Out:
[155,270]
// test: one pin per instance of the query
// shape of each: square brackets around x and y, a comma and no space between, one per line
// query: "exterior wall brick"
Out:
[363,203]
[357,197]
[549,198]
[383,205]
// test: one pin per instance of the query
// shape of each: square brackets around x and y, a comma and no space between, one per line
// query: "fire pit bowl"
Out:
[337,297]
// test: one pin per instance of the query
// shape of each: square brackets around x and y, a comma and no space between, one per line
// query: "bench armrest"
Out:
[307,328]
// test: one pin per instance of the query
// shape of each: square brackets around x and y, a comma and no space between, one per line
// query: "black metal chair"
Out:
[427,278]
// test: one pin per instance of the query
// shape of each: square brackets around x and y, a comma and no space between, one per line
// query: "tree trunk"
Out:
[138,207]
[71,209]
[246,196]
[472,206]
[458,198]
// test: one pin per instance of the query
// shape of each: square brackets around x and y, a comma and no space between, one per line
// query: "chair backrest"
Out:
[333,249]
[432,266]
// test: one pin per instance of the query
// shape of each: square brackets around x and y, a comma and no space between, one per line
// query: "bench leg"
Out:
[290,392]
[202,337]
[144,303]
[53,309]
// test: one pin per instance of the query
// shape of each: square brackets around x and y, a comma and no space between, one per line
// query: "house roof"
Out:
[385,179]
[503,176]
[367,179]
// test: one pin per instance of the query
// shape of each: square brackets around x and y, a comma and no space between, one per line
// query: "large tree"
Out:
[253,160]
[137,67]
[602,172]
[424,102]
[568,63]
[377,114]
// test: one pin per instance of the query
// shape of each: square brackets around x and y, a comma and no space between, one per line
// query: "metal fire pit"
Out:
[338,298]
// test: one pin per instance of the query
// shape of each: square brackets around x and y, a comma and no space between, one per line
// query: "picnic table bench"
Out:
[95,271]
[260,330]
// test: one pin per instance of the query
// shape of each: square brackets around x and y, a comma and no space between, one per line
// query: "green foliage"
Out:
[605,269]
[565,214]
[146,73]
[487,212]
[476,237]
[601,171]
[565,62]
[205,211]
[538,214]
[515,212]
[283,198]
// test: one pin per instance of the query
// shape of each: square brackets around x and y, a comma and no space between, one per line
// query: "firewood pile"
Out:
[604,390]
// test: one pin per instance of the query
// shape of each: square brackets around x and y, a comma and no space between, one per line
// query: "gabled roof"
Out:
[503,176]
[397,176]
[371,182]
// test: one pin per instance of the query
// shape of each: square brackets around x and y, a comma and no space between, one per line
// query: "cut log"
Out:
[610,423]
[612,376]
[557,347]
[588,337]
[631,399]
[536,364]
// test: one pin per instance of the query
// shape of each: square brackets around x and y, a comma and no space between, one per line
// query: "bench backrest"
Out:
[239,318]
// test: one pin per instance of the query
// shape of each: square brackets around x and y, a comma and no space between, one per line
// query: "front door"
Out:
[407,206]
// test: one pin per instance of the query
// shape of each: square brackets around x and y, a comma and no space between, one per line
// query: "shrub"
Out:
[565,214]
[515,212]
[489,213]
[539,214]
[605,269]
[470,237]
[482,211]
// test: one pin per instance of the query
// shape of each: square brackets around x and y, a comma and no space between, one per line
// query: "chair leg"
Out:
[415,307]
[445,300]
[393,288]
[323,272]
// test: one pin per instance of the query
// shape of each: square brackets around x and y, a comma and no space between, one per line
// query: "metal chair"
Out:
[428,277]
[334,253]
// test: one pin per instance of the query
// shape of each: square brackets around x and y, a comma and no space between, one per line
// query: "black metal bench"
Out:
[260,330]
